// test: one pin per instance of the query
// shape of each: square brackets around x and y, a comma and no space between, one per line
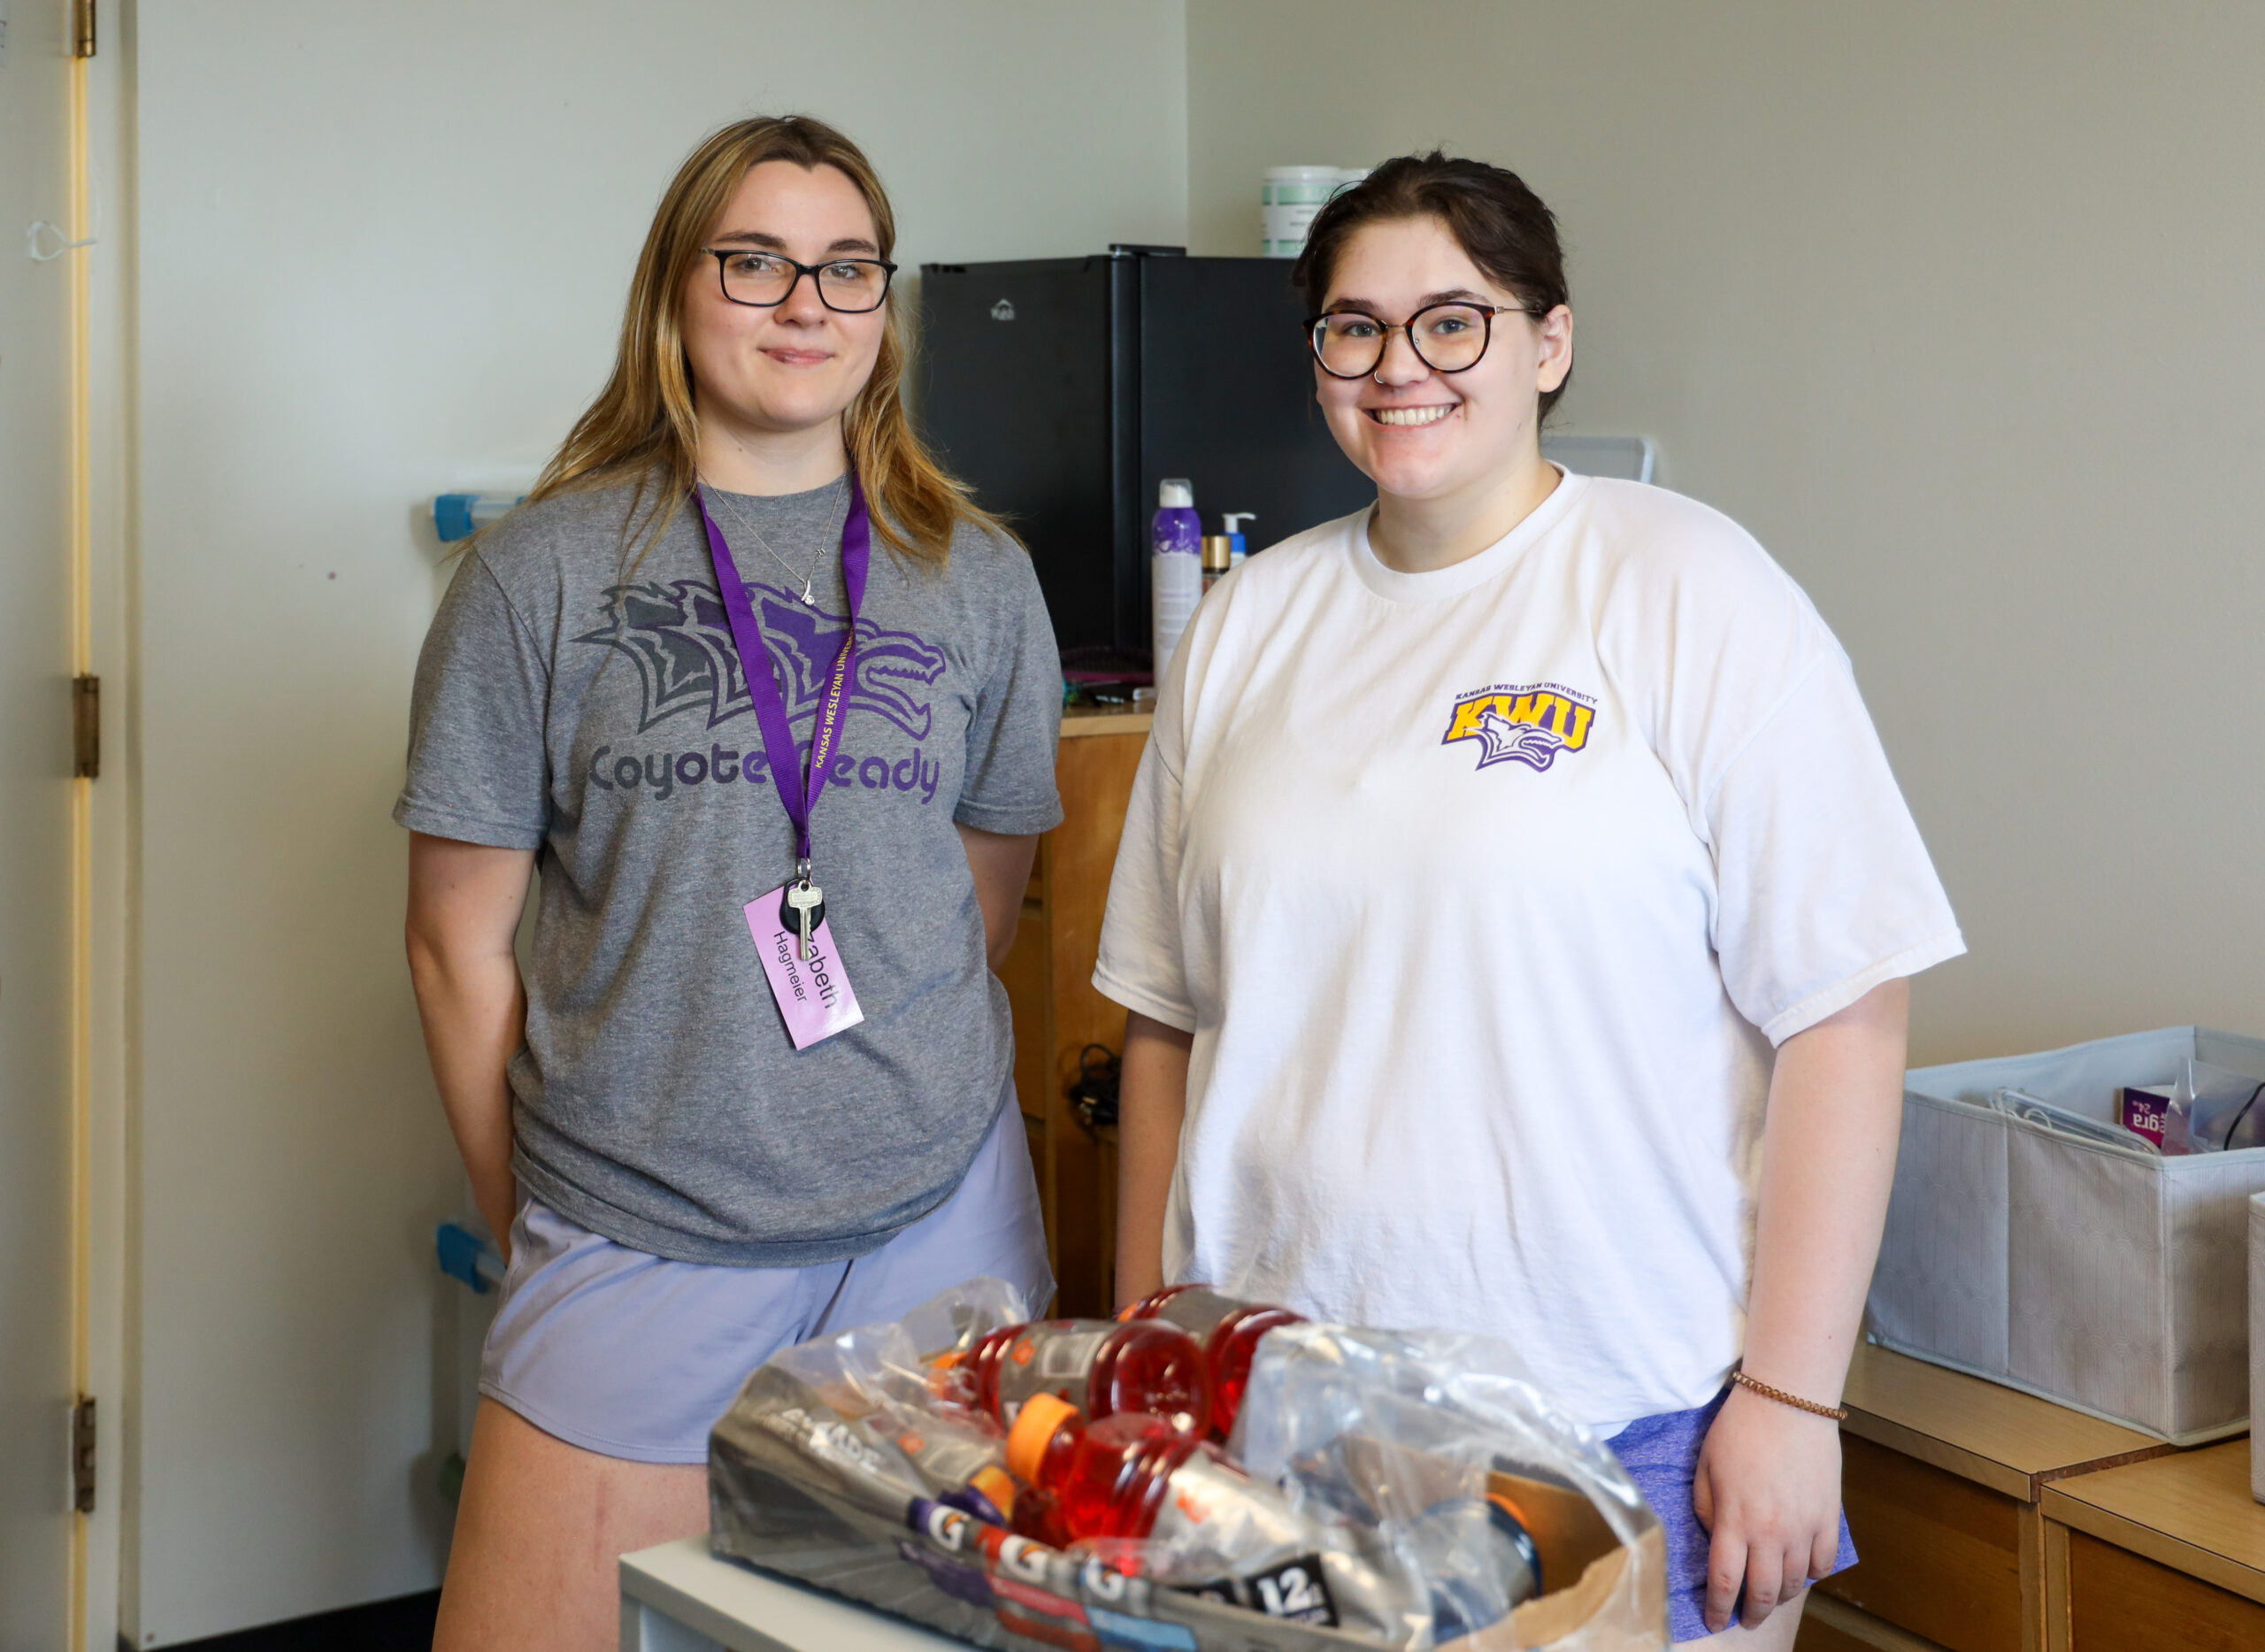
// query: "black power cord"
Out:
[2228,1143]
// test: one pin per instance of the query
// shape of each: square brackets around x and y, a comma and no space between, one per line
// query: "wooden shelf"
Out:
[2191,1511]
[1081,721]
[1995,1436]
[1943,1477]
[1049,976]
[1989,1517]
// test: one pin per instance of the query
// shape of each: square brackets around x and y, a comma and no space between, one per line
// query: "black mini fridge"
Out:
[1064,389]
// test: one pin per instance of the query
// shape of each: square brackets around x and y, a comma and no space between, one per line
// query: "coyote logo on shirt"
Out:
[682,643]
[1529,723]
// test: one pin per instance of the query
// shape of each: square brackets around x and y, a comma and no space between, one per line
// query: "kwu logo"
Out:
[1530,724]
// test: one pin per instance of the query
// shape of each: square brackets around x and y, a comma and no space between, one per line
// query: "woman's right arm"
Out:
[464,902]
[1151,1102]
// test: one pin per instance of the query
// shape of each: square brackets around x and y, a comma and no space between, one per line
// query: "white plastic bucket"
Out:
[1288,198]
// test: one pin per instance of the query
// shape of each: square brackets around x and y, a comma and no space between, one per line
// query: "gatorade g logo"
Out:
[1531,723]
[1012,1556]
[1103,1582]
[948,1527]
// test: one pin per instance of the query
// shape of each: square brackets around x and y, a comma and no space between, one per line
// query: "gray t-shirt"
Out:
[570,703]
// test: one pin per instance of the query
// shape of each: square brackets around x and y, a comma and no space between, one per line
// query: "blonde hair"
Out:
[644,425]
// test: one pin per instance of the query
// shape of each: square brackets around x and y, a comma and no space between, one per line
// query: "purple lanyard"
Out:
[798,788]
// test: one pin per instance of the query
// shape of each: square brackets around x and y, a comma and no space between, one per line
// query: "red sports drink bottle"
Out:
[1229,1331]
[1176,1498]
[1039,1513]
[1097,1366]
[1108,1477]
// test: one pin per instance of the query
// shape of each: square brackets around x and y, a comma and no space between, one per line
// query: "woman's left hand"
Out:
[1767,1491]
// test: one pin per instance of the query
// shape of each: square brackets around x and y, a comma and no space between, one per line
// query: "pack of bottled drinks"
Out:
[1198,1475]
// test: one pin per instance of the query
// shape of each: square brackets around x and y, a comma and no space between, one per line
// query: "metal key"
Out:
[804,908]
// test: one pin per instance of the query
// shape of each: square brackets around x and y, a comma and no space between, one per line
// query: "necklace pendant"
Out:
[809,601]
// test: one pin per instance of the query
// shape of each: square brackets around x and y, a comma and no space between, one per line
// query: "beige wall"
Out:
[1958,309]
[381,252]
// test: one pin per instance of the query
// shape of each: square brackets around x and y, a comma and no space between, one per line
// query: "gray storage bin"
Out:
[2256,1339]
[2100,1276]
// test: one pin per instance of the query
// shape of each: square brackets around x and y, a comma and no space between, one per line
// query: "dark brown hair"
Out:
[1500,223]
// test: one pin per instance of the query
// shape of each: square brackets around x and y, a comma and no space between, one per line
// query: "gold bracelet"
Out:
[1838,1413]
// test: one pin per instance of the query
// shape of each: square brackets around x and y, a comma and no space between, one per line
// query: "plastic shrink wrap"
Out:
[1382,1490]
[1406,1434]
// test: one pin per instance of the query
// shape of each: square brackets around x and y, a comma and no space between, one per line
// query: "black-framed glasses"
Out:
[1446,338]
[852,287]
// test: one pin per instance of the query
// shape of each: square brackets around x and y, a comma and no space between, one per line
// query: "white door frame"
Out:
[55,1548]
[107,1078]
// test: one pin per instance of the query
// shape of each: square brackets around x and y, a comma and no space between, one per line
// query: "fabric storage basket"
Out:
[2104,1277]
[2256,1339]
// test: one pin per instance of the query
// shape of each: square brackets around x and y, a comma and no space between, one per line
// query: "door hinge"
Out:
[86,727]
[82,1455]
[82,28]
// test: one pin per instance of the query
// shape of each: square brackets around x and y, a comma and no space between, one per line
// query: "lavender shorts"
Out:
[1662,1455]
[632,1355]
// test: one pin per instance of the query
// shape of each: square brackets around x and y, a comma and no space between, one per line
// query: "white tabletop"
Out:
[725,1604]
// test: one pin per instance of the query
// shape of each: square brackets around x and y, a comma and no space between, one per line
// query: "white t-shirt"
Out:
[1485,894]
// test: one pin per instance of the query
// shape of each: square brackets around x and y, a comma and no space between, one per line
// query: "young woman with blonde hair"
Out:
[745,658]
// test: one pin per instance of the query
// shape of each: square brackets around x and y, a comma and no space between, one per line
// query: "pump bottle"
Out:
[1238,545]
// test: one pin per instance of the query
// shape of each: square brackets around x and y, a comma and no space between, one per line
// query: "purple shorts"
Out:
[1662,1455]
[632,1355]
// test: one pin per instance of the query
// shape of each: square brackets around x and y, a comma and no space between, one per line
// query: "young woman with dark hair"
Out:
[1515,913]
[700,1132]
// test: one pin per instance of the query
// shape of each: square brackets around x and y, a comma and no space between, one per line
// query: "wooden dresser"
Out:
[1990,1520]
[2169,1552]
[1049,983]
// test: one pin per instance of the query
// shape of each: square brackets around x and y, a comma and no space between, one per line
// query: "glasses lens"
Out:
[853,284]
[756,278]
[1449,337]
[1349,345]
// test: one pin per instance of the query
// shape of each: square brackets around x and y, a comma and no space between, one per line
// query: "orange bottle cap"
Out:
[1041,1415]
[996,1484]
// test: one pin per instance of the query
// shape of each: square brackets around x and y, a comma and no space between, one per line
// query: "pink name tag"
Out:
[813,994]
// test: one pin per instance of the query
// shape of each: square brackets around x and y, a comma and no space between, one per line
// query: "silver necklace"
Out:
[810,597]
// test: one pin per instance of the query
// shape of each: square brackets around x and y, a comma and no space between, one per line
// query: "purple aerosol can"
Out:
[1175,567]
